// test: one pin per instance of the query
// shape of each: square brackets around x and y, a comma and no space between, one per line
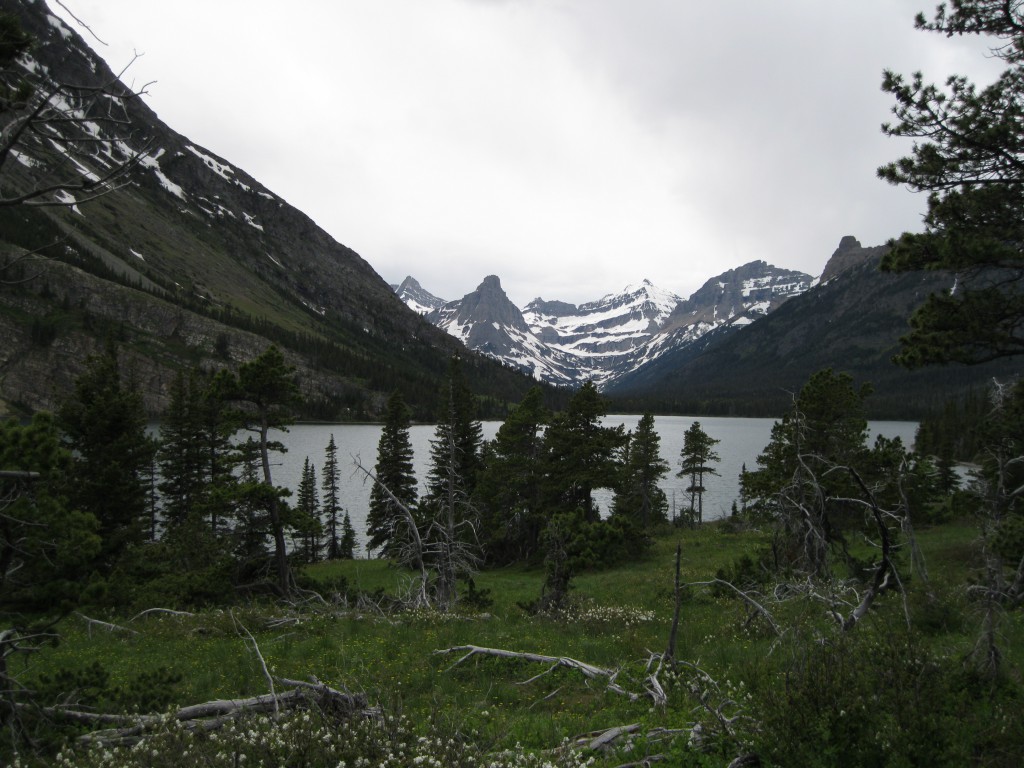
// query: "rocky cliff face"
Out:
[848,255]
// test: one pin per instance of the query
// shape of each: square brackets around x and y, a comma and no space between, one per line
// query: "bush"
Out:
[880,698]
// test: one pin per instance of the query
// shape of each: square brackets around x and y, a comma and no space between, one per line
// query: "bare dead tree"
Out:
[446,549]
[670,648]
[410,549]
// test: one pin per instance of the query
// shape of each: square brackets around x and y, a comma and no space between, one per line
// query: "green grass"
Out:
[393,659]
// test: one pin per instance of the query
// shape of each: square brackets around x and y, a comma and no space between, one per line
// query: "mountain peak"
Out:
[414,296]
[491,283]
[848,255]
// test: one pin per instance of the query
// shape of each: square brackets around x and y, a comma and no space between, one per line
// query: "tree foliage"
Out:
[104,425]
[796,486]
[580,453]
[509,490]
[306,519]
[394,473]
[330,488]
[266,392]
[969,157]
[695,460]
[638,495]
[46,546]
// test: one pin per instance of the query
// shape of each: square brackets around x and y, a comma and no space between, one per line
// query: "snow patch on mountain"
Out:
[563,343]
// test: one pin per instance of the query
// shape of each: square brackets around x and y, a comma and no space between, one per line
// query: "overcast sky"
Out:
[570,147]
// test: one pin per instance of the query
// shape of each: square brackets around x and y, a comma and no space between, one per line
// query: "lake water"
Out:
[741,442]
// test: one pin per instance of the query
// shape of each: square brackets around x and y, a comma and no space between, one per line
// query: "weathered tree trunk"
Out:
[280,547]
[670,649]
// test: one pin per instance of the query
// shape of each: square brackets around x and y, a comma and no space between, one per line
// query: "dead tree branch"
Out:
[105,625]
[412,550]
[758,608]
[239,627]
[589,671]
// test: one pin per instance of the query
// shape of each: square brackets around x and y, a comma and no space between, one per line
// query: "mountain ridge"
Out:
[601,340]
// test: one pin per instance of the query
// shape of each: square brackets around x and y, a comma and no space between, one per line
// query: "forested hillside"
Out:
[112,225]
[852,322]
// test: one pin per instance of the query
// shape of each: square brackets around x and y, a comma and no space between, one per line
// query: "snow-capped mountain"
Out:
[416,297]
[563,343]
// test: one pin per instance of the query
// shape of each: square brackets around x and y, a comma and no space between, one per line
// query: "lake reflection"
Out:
[741,442]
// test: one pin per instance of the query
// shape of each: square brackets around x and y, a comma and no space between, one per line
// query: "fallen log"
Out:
[590,671]
[211,715]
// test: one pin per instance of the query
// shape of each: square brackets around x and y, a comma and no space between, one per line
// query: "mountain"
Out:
[189,261]
[487,321]
[604,340]
[850,321]
[413,295]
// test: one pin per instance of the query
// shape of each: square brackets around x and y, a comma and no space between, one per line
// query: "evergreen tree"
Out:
[446,513]
[105,427]
[694,461]
[266,390]
[968,154]
[347,544]
[509,490]
[182,454]
[330,480]
[306,519]
[218,425]
[251,508]
[638,496]
[46,546]
[799,485]
[455,450]
[394,471]
[580,454]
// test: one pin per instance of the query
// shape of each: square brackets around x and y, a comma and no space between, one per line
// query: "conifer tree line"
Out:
[99,509]
[192,514]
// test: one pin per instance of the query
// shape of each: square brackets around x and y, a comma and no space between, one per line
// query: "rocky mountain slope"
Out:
[609,338]
[190,261]
[851,322]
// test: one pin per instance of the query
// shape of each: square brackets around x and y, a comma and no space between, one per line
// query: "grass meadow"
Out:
[618,618]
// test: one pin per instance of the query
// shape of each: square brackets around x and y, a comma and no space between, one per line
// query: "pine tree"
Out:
[694,460]
[266,390]
[796,487]
[306,518]
[638,495]
[329,480]
[182,455]
[105,427]
[47,547]
[580,454]
[446,513]
[455,449]
[968,155]
[347,545]
[509,490]
[394,470]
